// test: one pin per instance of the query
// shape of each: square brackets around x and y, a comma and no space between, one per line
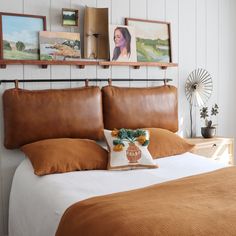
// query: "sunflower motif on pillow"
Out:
[133,152]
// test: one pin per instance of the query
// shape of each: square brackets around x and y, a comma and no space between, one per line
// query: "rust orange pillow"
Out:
[63,155]
[165,143]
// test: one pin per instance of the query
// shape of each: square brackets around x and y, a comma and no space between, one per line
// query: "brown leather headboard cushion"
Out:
[154,107]
[41,114]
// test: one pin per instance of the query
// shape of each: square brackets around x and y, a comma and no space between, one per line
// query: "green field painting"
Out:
[19,55]
[153,50]
[69,22]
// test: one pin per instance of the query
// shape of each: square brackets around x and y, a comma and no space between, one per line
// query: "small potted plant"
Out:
[209,130]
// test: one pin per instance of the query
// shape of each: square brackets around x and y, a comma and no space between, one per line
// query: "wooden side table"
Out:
[217,148]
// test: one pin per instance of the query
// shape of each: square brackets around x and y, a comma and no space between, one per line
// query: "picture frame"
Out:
[59,46]
[153,40]
[70,17]
[19,36]
[122,43]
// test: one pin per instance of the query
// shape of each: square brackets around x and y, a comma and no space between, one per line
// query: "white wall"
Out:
[203,35]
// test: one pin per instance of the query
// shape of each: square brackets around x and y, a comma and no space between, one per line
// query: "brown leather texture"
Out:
[132,108]
[64,155]
[31,116]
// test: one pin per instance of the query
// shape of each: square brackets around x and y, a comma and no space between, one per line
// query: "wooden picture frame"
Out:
[70,17]
[153,40]
[18,40]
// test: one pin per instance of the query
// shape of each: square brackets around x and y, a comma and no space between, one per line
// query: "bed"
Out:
[40,205]
[34,209]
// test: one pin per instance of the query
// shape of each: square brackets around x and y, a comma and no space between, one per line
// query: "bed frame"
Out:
[32,115]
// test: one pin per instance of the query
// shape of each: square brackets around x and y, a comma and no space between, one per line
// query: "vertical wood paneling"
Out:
[187,60]
[172,16]
[231,127]
[226,82]
[59,72]
[138,11]
[212,46]
[200,51]
[35,72]
[201,33]
[88,72]
[155,11]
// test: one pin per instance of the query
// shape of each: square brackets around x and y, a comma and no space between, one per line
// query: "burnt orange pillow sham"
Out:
[165,143]
[63,155]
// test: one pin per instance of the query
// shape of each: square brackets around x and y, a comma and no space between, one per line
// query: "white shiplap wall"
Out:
[203,35]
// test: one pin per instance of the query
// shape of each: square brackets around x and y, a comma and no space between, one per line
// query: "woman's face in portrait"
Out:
[119,39]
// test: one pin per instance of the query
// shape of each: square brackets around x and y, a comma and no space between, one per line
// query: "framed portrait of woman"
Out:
[122,43]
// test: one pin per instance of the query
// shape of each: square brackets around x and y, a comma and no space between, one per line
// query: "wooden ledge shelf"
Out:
[137,65]
[81,64]
[44,64]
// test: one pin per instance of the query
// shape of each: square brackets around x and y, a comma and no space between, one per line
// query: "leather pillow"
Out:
[165,143]
[63,155]
[133,108]
[30,116]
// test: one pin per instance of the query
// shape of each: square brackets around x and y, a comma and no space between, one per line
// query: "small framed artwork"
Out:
[70,17]
[19,36]
[122,43]
[59,46]
[153,40]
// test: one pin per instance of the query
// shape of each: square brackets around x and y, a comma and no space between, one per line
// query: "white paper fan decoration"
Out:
[198,87]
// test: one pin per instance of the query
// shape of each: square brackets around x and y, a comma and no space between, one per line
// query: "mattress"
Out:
[38,203]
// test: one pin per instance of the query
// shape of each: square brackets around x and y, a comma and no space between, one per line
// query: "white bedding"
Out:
[38,203]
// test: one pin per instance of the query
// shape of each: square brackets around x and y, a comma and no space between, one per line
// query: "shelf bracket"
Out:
[81,66]
[164,67]
[44,66]
[3,66]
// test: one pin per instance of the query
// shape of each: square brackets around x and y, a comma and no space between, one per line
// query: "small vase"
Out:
[133,153]
[208,132]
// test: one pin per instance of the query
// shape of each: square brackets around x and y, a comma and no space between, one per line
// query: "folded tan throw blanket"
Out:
[198,205]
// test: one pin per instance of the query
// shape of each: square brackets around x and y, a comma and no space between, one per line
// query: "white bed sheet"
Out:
[38,203]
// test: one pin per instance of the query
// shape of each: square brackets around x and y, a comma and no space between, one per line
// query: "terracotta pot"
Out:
[133,153]
[208,132]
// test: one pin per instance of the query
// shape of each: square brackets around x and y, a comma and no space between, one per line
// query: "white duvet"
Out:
[38,203]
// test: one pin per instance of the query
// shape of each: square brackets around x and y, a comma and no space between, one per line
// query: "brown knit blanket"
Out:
[198,205]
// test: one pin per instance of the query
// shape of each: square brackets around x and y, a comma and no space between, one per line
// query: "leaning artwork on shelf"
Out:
[60,46]
[19,36]
[70,17]
[153,40]
[122,43]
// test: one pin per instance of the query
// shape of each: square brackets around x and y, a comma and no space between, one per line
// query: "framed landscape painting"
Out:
[70,17]
[19,36]
[59,46]
[153,40]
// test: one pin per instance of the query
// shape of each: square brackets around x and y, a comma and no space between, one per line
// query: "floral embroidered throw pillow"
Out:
[128,149]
